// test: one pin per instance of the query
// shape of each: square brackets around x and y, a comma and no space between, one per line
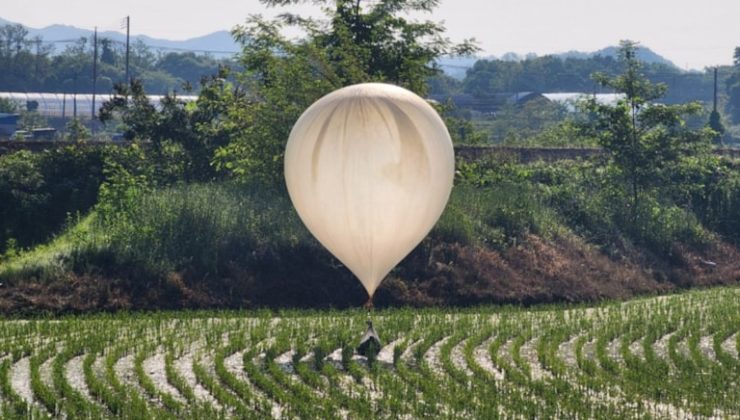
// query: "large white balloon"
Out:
[369,169]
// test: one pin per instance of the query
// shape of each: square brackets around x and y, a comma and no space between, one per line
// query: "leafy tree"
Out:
[715,123]
[647,142]
[516,123]
[40,191]
[27,64]
[142,57]
[8,106]
[573,74]
[76,131]
[31,119]
[733,88]
[197,128]
[108,54]
[357,41]
[23,61]
[187,66]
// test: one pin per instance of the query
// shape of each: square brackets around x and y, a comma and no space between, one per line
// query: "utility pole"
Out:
[37,41]
[714,108]
[95,71]
[128,27]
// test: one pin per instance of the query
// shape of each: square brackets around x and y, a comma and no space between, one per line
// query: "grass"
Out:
[54,258]
[203,228]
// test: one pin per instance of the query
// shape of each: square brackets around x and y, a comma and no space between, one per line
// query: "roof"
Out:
[63,104]
[602,98]
[486,103]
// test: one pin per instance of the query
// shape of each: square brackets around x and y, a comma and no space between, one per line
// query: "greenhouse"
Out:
[69,105]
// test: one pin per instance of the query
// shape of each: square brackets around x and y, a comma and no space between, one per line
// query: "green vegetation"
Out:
[573,74]
[239,244]
[674,356]
[733,88]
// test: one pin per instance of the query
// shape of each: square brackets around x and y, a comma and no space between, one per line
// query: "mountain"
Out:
[219,43]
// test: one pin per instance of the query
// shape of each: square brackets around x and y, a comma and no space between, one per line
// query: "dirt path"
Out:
[457,356]
[730,346]
[20,373]
[431,357]
[184,367]
[483,358]
[74,375]
[528,351]
[154,367]
[706,346]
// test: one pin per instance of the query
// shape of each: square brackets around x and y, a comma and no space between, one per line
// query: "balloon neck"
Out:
[369,304]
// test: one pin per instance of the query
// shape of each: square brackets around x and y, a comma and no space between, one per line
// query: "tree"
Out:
[733,89]
[187,66]
[76,131]
[8,106]
[647,142]
[108,54]
[23,61]
[715,123]
[357,41]
[194,130]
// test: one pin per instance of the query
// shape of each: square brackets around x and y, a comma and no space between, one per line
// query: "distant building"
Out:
[69,105]
[569,99]
[490,104]
[8,124]
[487,104]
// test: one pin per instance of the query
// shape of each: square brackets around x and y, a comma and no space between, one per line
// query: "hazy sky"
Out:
[693,34]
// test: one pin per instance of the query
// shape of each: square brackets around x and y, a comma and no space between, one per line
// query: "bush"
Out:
[495,214]
[40,191]
[198,227]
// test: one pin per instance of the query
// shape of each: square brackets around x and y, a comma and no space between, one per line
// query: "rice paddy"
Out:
[661,357]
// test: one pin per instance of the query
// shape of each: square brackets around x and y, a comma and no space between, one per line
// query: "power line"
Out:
[156,47]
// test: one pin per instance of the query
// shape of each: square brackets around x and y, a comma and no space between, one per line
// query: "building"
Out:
[570,99]
[70,105]
[490,104]
[487,104]
[8,124]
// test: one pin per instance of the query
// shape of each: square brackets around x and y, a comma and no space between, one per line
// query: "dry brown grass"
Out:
[536,270]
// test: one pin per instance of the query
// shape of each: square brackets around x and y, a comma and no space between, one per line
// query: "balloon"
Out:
[369,169]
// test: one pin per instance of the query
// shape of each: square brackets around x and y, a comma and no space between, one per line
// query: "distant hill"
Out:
[219,43]
[457,66]
[643,54]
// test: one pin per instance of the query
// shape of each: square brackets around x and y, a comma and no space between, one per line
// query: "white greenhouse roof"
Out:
[64,104]
[572,97]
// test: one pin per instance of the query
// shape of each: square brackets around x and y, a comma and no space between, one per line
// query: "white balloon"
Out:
[369,169]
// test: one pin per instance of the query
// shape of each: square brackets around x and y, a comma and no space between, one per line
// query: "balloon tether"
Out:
[369,305]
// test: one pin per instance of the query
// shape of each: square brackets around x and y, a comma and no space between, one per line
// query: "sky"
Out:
[693,34]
